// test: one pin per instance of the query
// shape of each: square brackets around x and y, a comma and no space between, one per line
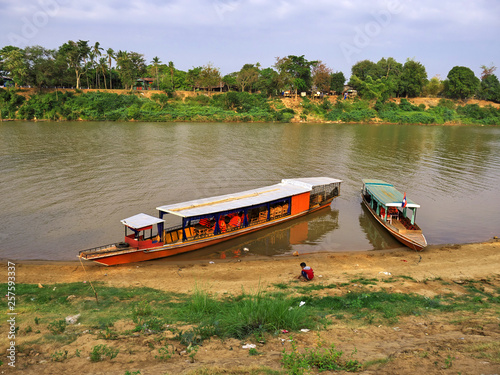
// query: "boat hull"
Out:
[133,255]
[415,241]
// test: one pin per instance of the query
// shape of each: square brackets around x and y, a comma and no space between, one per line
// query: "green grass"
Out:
[322,358]
[238,317]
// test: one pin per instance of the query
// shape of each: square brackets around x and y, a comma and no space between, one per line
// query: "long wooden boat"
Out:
[391,208]
[209,221]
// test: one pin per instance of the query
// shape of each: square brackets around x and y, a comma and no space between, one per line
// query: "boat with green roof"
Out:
[394,212]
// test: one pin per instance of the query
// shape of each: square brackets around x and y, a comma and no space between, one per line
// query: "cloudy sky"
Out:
[230,33]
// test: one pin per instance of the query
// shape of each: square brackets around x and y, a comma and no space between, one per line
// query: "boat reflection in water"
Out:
[278,240]
[378,238]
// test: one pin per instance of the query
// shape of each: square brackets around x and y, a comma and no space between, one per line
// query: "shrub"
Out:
[100,352]
[358,115]
[164,353]
[322,358]
[57,327]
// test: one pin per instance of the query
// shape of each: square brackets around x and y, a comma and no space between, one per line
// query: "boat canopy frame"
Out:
[385,194]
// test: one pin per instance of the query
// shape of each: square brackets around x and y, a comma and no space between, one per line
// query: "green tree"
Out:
[40,64]
[363,69]
[156,61]
[230,81]
[210,77]
[413,79]
[131,65]
[102,67]
[3,53]
[295,72]
[96,51]
[193,77]
[390,71]
[247,76]
[461,83]
[337,81]
[433,88]
[370,88]
[388,68]
[489,88]
[76,54]
[268,82]
[14,63]
[110,54]
[171,69]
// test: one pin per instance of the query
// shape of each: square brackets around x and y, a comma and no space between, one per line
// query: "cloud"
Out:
[233,32]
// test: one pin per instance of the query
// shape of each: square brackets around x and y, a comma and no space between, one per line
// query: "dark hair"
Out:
[302,264]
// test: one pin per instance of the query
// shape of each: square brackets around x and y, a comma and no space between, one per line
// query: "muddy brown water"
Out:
[65,186]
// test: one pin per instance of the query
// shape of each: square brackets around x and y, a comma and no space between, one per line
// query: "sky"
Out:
[440,34]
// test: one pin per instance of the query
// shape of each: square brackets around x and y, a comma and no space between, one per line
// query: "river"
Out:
[65,186]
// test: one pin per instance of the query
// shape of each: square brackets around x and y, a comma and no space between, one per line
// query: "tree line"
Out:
[80,64]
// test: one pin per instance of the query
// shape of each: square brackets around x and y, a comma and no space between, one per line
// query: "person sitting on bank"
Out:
[307,272]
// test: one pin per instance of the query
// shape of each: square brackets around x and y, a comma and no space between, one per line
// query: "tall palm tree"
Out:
[102,67]
[111,55]
[89,64]
[96,50]
[156,61]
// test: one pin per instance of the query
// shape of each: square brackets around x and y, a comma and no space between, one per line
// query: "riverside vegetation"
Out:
[168,327]
[233,107]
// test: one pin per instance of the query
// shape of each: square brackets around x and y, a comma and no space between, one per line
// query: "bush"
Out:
[57,327]
[285,115]
[10,103]
[405,105]
[358,115]
[100,352]
[322,358]
[244,316]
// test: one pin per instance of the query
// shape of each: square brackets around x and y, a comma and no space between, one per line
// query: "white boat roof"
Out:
[141,221]
[254,197]
[310,182]
[387,194]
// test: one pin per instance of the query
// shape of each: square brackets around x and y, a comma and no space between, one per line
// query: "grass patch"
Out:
[380,307]
[322,358]
[489,351]
[101,352]
[227,316]
[364,281]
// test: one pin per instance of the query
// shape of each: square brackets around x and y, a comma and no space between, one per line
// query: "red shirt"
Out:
[308,273]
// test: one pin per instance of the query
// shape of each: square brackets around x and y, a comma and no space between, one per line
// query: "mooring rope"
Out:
[90,281]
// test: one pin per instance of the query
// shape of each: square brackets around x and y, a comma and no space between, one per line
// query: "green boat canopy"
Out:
[386,194]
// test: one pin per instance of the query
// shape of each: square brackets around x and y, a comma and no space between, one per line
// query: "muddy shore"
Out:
[435,344]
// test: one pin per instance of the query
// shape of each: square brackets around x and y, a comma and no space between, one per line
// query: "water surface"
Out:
[65,186]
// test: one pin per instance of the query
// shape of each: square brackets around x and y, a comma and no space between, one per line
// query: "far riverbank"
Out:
[181,106]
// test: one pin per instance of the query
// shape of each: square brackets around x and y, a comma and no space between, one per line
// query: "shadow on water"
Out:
[275,241]
[378,237]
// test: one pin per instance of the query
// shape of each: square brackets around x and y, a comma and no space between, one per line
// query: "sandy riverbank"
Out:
[457,262]
[425,342]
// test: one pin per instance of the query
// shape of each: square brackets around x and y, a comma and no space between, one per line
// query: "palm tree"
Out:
[172,69]
[111,55]
[89,64]
[102,67]
[156,61]
[96,50]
